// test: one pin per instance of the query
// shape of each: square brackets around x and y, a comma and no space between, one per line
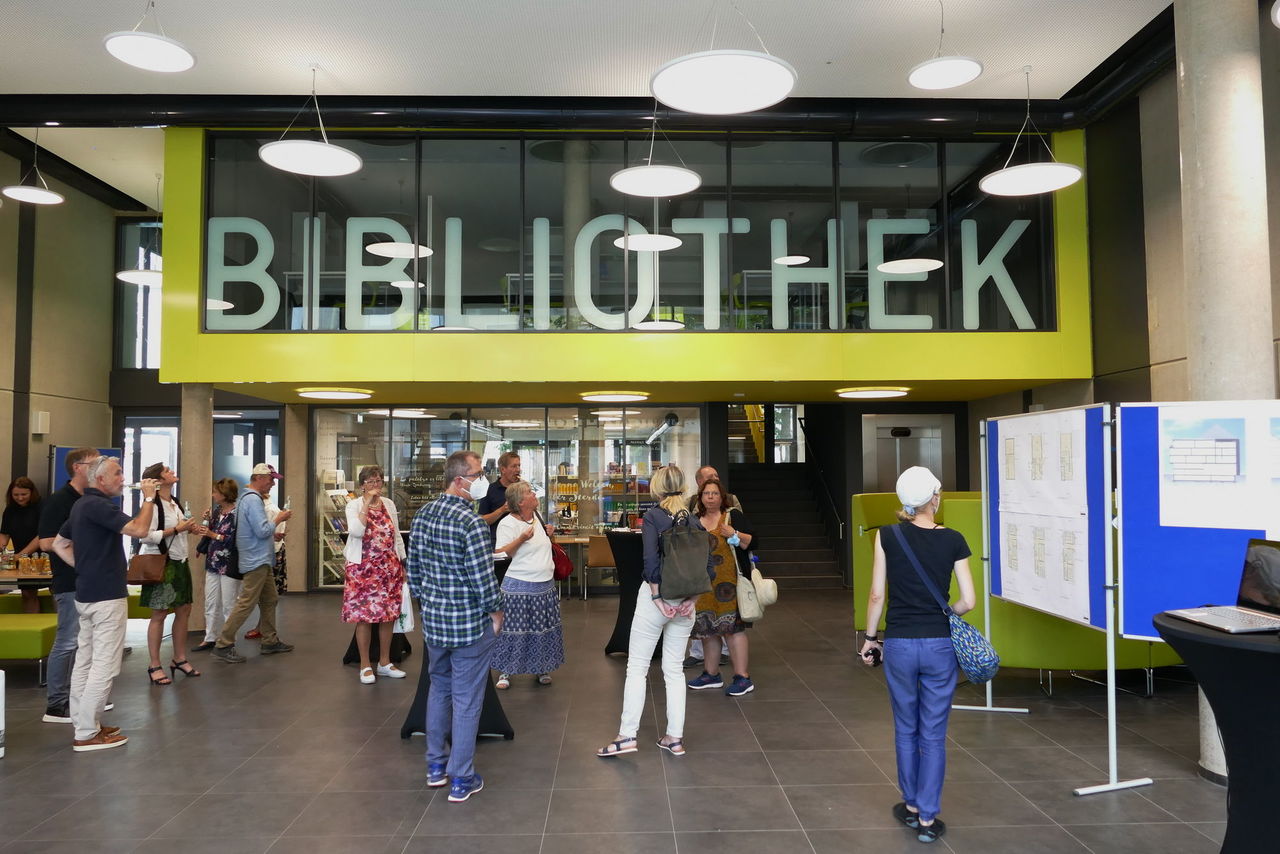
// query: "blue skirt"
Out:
[532,640]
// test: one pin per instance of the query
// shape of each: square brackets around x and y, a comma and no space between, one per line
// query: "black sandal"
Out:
[163,680]
[184,667]
[906,816]
[931,832]
[204,647]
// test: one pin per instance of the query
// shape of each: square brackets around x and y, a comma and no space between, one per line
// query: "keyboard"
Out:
[1229,618]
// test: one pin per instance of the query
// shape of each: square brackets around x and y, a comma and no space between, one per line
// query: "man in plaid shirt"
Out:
[450,569]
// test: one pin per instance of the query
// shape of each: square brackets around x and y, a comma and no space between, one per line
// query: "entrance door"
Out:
[891,443]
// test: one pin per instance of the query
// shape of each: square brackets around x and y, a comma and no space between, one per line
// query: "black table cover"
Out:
[493,720]
[400,649]
[628,558]
[1240,677]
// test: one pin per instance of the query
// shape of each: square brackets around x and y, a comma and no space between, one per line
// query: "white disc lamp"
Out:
[648,242]
[398,250]
[1028,179]
[657,325]
[1275,13]
[149,51]
[723,82]
[655,181]
[326,393]
[317,158]
[792,260]
[217,305]
[614,396]
[944,72]
[872,392]
[910,265]
[37,192]
[146,278]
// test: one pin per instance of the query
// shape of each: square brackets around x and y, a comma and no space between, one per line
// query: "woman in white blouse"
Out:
[532,640]
[168,536]
[375,573]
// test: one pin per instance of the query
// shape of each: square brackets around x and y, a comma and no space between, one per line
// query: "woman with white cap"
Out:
[919,660]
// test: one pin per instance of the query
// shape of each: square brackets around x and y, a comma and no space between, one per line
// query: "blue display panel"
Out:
[1196,481]
[1057,509]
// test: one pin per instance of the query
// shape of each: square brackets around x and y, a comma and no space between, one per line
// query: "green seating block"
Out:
[11,603]
[27,636]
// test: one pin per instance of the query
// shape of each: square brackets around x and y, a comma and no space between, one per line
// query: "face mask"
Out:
[478,488]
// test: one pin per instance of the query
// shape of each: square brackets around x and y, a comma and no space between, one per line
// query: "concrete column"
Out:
[195,473]
[1226,257]
[298,486]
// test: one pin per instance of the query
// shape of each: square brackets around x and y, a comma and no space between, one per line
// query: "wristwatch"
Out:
[872,638]
[656,596]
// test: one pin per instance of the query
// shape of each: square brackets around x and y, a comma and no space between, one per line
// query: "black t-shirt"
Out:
[913,612]
[54,513]
[22,524]
[493,499]
[94,531]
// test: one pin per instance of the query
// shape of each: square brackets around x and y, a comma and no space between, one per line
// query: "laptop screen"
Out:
[1260,583]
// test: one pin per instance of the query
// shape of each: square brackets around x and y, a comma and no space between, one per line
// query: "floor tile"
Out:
[526,844]
[703,768]
[1175,838]
[241,814]
[819,767]
[1188,800]
[829,807]
[362,814]
[807,736]
[614,843]
[498,812]
[865,841]
[1019,764]
[1060,803]
[115,816]
[617,810]
[744,842]
[1017,840]
[754,808]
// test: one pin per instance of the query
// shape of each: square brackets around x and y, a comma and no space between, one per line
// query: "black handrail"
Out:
[826,487]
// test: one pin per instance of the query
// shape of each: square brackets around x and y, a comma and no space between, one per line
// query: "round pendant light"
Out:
[614,396]
[792,260]
[407,285]
[723,82]
[149,51]
[648,242]
[657,325]
[910,265]
[443,328]
[1028,179]
[310,157]
[326,393]
[398,250]
[944,72]
[33,195]
[872,392]
[217,305]
[655,181]
[149,278]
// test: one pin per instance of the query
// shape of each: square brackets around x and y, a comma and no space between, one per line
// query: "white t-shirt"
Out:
[150,544]
[532,561]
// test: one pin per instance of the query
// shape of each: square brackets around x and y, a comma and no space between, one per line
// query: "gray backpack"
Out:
[686,555]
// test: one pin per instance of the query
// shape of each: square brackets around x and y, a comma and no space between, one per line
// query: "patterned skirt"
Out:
[371,592]
[174,589]
[532,639]
[716,612]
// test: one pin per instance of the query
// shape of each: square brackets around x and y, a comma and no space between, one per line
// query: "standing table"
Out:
[1240,677]
[628,559]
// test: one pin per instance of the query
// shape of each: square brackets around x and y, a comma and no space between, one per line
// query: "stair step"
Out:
[771,555]
[795,567]
[811,582]
[781,515]
[792,529]
[785,541]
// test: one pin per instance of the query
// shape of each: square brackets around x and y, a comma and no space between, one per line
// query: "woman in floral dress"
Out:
[375,573]
[217,544]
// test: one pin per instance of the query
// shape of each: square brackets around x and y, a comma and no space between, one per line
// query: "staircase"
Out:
[779,499]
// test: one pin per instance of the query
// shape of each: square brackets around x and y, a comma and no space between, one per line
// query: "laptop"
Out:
[1257,607]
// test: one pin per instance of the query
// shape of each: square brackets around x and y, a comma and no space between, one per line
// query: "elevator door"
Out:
[891,443]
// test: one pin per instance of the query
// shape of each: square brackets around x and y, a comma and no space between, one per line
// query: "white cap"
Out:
[916,486]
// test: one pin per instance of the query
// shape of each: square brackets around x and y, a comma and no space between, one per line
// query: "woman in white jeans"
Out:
[217,539]
[656,618]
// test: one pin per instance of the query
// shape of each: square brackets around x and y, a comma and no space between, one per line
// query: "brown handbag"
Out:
[149,569]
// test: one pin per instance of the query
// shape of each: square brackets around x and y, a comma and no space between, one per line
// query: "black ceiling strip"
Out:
[53,166]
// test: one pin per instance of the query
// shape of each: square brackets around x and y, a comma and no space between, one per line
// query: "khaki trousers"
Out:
[101,644]
[258,589]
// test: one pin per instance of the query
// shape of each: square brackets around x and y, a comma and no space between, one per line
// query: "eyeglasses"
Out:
[374,480]
[473,476]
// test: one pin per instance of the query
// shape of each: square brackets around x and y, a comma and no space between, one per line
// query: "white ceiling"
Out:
[583,48]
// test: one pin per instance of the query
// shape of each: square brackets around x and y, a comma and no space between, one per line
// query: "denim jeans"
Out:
[63,655]
[453,707]
[921,676]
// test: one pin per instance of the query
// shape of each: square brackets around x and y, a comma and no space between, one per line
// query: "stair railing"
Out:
[826,487]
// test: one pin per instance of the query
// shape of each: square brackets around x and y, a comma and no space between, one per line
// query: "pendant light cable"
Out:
[942,28]
[312,99]
[35,163]
[1026,70]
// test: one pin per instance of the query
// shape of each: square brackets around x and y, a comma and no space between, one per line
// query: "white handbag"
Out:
[749,608]
[404,622]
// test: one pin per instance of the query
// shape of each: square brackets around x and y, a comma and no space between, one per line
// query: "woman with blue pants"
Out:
[919,661]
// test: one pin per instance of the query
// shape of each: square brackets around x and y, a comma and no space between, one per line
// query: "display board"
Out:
[1197,481]
[58,463]
[1047,505]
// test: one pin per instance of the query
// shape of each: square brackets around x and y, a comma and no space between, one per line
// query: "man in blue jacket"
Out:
[255,537]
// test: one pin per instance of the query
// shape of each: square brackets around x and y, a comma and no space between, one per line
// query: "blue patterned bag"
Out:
[974,653]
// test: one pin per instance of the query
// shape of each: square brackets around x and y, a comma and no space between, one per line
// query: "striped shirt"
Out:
[450,570]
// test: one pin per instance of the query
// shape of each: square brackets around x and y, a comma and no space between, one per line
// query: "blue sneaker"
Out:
[706,680]
[465,787]
[436,774]
[739,686]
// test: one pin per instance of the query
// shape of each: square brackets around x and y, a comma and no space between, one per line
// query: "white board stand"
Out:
[1113,782]
[986,583]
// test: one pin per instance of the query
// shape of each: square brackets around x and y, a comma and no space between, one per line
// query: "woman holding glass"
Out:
[532,640]
[168,536]
[19,530]
[217,544]
[375,573]
[656,619]
[716,618]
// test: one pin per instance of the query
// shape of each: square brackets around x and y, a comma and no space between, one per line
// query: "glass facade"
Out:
[518,233]
[590,465]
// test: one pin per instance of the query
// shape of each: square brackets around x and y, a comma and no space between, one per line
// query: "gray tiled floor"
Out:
[291,755]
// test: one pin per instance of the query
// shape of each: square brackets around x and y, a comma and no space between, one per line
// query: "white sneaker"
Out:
[504,682]
[392,671]
[366,676]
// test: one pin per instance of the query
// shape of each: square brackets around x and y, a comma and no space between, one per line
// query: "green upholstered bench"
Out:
[11,603]
[27,637]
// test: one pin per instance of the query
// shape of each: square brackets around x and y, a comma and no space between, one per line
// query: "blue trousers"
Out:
[921,675]
[63,655]
[453,707]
